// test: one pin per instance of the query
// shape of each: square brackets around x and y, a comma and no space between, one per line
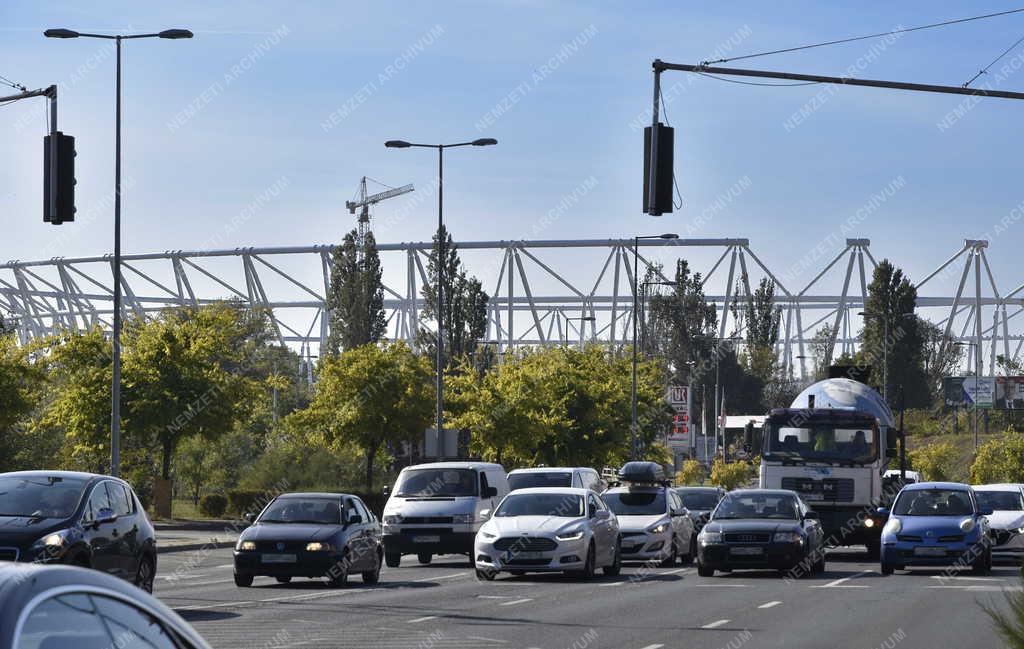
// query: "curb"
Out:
[185,547]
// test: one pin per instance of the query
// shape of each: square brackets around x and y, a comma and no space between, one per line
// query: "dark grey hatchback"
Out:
[311,535]
[81,519]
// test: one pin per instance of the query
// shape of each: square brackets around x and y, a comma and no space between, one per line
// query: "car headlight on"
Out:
[464,518]
[787,537]
[392,519]
[966,525]
[318,546]
[894,526]
[708,538]
[869,523]
[55,540]
[245,546]
[658,527]
[571,535]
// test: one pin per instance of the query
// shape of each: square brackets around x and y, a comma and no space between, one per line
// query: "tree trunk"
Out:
[371,453]
[167,448]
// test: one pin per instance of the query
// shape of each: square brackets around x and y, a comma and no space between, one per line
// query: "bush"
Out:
[692,473]
[1000,460]
[937,462]
[213,505]
[245,501]
[729,475]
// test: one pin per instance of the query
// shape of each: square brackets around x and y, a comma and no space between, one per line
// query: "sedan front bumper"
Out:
[1007,545]
[932,553]
[729,556]
[646,546]
[306,564]
[566,555]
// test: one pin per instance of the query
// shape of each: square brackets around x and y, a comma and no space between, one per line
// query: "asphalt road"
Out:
[442,605]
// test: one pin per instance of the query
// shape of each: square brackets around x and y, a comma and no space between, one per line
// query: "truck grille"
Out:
[828,489]
[525,544]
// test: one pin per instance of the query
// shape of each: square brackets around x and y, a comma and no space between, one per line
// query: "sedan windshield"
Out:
[315,511]
[39,497]
[699,500]
[1000,501]
[635,503]
[557,505]
[427,483]
[539,479]
[933,502]
[757,506]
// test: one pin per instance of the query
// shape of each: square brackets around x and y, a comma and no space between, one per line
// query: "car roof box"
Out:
[642,472]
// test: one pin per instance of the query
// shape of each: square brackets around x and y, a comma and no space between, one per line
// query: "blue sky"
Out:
[210,124]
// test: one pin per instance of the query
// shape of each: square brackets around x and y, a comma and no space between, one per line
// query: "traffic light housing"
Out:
[664,137]
[59,178]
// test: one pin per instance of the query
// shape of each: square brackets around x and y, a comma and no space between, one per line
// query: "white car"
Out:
[549,529]
[556,476]
[654,524]
[1006,522]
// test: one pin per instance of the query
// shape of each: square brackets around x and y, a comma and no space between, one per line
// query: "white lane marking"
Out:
[654,646]
[496,596]
[723,585]
[715,624]
[611,583]
[979,588]
[770,604]
[517,601]
[943,577]
[838,582]
[452,576]
[672,572]
[199,607]
[422,619]
[480,637]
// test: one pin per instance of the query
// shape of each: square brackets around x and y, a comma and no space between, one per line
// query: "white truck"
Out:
[832,446]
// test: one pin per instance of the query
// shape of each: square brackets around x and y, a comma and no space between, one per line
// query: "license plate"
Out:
[426,539]
[746,551]
[278,558]
[512,554]
[929,552]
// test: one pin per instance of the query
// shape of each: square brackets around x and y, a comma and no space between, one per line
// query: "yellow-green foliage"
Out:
[937,462]
[1000,460]
[692,473]
[730,475]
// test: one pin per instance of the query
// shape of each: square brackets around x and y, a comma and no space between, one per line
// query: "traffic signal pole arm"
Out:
[50,92]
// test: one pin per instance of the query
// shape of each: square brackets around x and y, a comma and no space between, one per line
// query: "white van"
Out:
[556,476]
[437,508]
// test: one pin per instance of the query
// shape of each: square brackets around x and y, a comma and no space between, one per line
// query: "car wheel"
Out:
[887,568]
[983,564]
[145,574]
[424,558]
[616,567]
[337,576]
[283,580]
[671,559]
[484,575]
[705,571]
[819,565]
[691,553]
[243,581]
[373,576]
[392,559]
[588,565]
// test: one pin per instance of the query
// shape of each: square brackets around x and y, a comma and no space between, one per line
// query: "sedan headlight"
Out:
[463,518]
[658,527]
[55,540]
[392,519]
[966,525]
[571,535]
[245,546]
[708,538]
[318,546]
[787,537]
[488,535]
[894,526]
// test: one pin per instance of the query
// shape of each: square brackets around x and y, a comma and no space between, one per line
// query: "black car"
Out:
[761,528]
[700,502]
[63,606]
[311,535]
[82,519]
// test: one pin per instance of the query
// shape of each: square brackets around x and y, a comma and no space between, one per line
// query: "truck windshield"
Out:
[437,483]
[855,442]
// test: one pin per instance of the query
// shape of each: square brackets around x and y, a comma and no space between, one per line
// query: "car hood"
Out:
[289,532]
[639,523]
[751,525]
[20,529]
[937,525]
[516,525]
[430,506]
[1006,520]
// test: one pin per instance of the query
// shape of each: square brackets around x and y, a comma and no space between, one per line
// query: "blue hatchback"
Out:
[936,524]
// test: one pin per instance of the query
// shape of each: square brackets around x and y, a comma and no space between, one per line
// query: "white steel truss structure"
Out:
[544,292]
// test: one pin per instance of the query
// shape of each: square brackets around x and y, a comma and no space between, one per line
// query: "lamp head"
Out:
[60,33]
[175,33]
[397,144]
[484,141]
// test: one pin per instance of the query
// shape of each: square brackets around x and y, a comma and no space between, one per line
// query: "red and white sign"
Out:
[680,437]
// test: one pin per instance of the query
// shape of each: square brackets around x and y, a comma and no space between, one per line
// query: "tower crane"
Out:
[365,201]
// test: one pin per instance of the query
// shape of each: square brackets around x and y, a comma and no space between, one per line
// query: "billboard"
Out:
[995,392]
[1009,393]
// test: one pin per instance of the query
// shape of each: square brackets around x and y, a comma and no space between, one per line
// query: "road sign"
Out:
[680,437]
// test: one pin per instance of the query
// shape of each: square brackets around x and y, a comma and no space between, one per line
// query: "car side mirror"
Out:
[105,515]
[249,517]
[485,513]
[812,516]
[489,492]
[355,519]
[985,511]
[882,511]
[602,514]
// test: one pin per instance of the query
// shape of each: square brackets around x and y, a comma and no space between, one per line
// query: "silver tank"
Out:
[846,394]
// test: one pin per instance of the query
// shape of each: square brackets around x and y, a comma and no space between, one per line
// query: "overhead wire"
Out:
[13,84]
[984,70]
[757,83]
[868,36]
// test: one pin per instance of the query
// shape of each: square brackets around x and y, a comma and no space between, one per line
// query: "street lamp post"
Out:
[402,144]
[636,281]
[115,382]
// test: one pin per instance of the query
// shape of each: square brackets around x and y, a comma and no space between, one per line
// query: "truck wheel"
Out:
[887,568]
[392,559]
[424,558]
[243,581]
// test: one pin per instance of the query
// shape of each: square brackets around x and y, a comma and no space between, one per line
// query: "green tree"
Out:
[1000,460]
[195,466]
[21,382]
[729,475]
[369,396]
[891,296]
[355,300]
[940,357]
[936,462]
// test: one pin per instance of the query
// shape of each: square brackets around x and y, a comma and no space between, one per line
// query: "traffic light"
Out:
[59,178]
[664,138]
